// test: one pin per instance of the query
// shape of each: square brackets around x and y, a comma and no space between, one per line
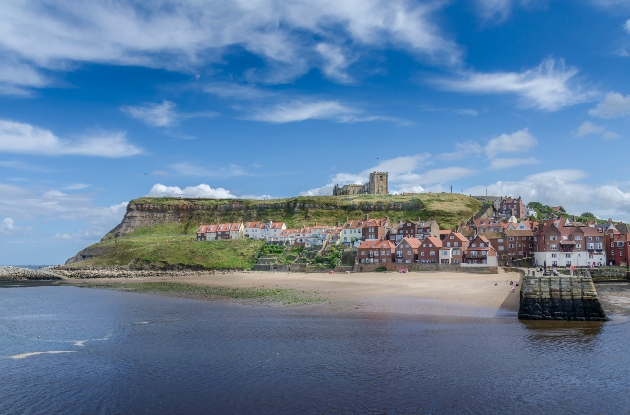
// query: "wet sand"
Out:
[415,293]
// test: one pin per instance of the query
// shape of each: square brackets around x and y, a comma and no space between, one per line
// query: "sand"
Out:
[415,293]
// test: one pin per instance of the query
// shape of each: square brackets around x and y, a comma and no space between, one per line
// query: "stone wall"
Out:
[429,267]
[609,274]
[299,268]
[560,298]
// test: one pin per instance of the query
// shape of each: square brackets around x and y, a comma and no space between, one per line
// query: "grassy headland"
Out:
[161,232]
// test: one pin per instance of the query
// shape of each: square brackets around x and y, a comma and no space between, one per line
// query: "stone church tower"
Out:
[378,184]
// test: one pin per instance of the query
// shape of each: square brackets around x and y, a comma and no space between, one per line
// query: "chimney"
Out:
[315,223]
[346,219]
[367,216]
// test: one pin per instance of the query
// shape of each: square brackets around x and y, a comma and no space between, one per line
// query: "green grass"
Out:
[205,292]
[169,251]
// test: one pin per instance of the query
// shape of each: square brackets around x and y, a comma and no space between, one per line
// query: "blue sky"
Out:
[105,101]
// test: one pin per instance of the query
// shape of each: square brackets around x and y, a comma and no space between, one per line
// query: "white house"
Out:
[272,230]
[253,230]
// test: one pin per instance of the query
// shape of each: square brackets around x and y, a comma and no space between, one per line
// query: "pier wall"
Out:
[560,298]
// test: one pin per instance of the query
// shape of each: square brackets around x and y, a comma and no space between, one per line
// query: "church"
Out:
[378,185]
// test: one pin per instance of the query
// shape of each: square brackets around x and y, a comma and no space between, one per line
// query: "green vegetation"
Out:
[142,249]
[205,292]
[449,209]
[380,269]
[171,244]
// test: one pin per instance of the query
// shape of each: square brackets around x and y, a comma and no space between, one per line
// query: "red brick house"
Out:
[558,243]
[376,252]
[520,244]
[375,228]
[618,249]
[481,252]
[407,251]
[453,247]
[429,250]
[512,207]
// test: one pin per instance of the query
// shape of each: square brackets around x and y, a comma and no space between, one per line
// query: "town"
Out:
[504,231]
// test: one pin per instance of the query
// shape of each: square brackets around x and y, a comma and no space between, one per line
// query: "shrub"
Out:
[381,269]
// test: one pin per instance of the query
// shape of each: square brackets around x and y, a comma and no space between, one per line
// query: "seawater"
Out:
[68,350]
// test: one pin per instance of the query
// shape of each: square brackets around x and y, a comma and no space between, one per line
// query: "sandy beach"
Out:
[415,293]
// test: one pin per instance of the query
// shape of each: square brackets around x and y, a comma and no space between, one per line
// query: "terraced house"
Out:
[453,247]
[481,252]
[407,251]
[376,251]
[429,250]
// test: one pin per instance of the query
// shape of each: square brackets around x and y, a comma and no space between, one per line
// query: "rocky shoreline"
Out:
[27,274]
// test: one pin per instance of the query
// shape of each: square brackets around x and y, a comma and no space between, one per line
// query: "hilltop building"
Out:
[378,185]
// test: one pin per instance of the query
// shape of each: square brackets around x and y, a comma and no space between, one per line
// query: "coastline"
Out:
[415,293]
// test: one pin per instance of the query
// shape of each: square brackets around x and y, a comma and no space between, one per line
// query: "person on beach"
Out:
[512,288]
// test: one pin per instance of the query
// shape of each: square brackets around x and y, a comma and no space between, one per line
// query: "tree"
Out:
[334,257]
[588,215]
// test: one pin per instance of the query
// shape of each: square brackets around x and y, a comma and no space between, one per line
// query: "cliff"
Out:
[151,221]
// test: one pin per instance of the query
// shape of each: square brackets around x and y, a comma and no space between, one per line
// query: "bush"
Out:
[381,269]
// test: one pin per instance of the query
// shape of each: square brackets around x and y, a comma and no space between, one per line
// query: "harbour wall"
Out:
[560,298]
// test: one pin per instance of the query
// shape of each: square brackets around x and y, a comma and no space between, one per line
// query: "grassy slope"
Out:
[171,244]
[166,251]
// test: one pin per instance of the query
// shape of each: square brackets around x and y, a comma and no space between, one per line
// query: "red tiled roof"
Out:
[413,242]
[432,240]
[376,243]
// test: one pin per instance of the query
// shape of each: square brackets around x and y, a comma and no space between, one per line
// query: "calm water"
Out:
[126,353]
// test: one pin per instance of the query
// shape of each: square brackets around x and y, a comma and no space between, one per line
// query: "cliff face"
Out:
[141,215]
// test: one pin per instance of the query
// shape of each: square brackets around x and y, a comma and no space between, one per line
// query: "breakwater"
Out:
[26,274]
[560,298]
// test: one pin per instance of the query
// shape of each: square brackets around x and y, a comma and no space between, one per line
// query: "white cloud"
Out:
[29,204]
[614,105]
[505,163]
[199,191]
[467,111]
[7,226]
[186,34]
[589,128]
[335,62]
[564,187]
[627,26]
[520,141]
[156,115]
[550,86]
[465,149]
[16,137]
[295,111]
[162,115]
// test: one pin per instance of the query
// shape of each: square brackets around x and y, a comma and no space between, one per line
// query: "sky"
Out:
[105,101]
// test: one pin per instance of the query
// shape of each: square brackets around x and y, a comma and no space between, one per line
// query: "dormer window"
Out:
[452,237]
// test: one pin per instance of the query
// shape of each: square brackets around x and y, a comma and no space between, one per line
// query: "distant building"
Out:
[378,185]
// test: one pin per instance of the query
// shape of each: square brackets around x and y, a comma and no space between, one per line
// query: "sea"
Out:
[70,350]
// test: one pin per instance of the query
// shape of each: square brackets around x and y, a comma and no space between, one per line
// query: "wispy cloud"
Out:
[550,86]
[296,111]
[16,137]
[335,62]
[18,165]
[497,10]
[236,91]
[627,26]
[162,115]
[520,141]
[589,128]
[186,34]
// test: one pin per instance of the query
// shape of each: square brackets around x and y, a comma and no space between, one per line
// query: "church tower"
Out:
[378,184]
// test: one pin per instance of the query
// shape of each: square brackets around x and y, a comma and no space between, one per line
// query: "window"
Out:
[408,252]
[421,253]
[500,240]
[619,244]
[564,238]
[363,253]
[384,260]
[598,245]
[578,246]
[578,238]
[452,237]
[382,252]
[567,255]
[481,245]
[432,253]
[612,244]
[511,238]
[597,238]
[455,244]
[554,255]
[501,248]
[554,263]
[553,238]
[474,245]
[553,247]
[376,253]
[511,246]
[590,238]
[455,251]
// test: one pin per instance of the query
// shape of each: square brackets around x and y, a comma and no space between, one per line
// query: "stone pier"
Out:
[560,298]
